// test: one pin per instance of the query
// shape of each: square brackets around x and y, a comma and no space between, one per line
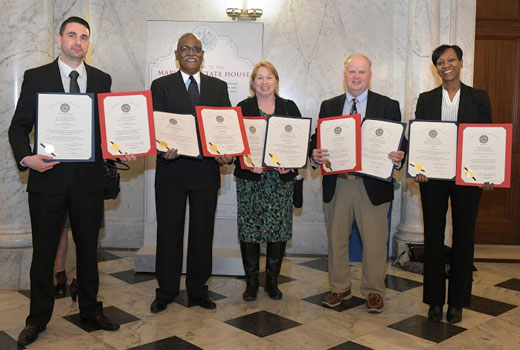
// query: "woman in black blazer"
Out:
[456,102]
[264,198]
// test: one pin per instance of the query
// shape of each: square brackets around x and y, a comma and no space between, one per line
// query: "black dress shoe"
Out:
[203,301]
[435,313]
[29,334]
[102,322]
[454,315]
[159,304]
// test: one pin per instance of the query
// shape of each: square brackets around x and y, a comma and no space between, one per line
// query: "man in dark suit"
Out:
[350,198]
[178,178]
[55,188]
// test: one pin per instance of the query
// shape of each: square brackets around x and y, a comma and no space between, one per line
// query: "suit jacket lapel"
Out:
[371,103]
[55,77]
[437,103]
[204,89]
[338,108]
[463,112]
[178,88]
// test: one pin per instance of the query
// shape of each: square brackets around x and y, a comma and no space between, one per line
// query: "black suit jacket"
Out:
[474,105]
[378,106]
[170,95]
[47,79]
[249,107]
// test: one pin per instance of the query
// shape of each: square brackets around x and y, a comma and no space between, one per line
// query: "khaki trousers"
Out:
[351,203]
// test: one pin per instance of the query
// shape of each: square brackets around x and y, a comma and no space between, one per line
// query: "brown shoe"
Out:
[375,303]
[335,299]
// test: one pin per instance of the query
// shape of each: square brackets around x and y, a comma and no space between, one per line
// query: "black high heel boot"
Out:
[275,252]
[61,284]
[250,259]
[73,289]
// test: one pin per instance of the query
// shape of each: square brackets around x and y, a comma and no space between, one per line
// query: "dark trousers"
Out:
[464,206]
[47,215]
[171,208]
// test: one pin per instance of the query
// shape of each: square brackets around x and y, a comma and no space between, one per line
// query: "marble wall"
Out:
[306,40]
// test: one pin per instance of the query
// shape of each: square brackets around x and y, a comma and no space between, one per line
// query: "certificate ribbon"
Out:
[328,165]
[275,159]
[469,174]
[418,167]
[49,149]
[163,144]
[213,148]
[249,160]
[115,147]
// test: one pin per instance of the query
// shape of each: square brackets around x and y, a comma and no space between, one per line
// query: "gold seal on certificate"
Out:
[484,154]
[255,131]
[341,137]
[64,126]
[432,149]
[126,123]
[378,138]
[286,142]
[177,131]
[222,131]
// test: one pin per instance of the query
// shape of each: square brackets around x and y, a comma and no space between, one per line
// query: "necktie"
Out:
[193,91]
[353,109]
[74,87]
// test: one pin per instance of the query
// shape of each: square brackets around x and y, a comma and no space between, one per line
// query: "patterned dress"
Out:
[265,208]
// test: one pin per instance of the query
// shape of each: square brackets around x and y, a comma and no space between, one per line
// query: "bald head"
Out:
[358,74]
[189,53]
[359,56]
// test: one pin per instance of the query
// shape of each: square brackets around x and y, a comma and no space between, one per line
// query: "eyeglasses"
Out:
[187,49]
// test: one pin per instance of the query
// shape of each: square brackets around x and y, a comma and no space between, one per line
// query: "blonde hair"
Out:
[271,68]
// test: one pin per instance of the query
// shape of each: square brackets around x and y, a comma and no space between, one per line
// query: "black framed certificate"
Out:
[432,149]
[65,126]
[178,131]
[286,142]
[378,138]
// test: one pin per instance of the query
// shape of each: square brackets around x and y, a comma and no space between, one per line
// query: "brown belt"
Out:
[349,176]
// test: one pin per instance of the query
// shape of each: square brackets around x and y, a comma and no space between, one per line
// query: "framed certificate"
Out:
[178,131]
[286,142]
[255,132]
[432,149]
[127,125]
[222,131]
[484,154]
[65,126]
[378,138]
[341,136]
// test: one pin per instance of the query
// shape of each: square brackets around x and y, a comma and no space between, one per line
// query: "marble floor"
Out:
[296,322]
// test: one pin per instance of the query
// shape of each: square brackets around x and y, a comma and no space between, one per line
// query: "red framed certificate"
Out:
[222,131]
[255,128]
[126,123]
[341,136]
[484,154]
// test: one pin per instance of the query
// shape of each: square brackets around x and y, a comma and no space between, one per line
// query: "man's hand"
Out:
[171,154]
[36,162]
[225,159]
[320,155]
[396,157]
[420,178]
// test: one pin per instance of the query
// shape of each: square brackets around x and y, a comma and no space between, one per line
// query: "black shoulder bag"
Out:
[298,179]
[113,179]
